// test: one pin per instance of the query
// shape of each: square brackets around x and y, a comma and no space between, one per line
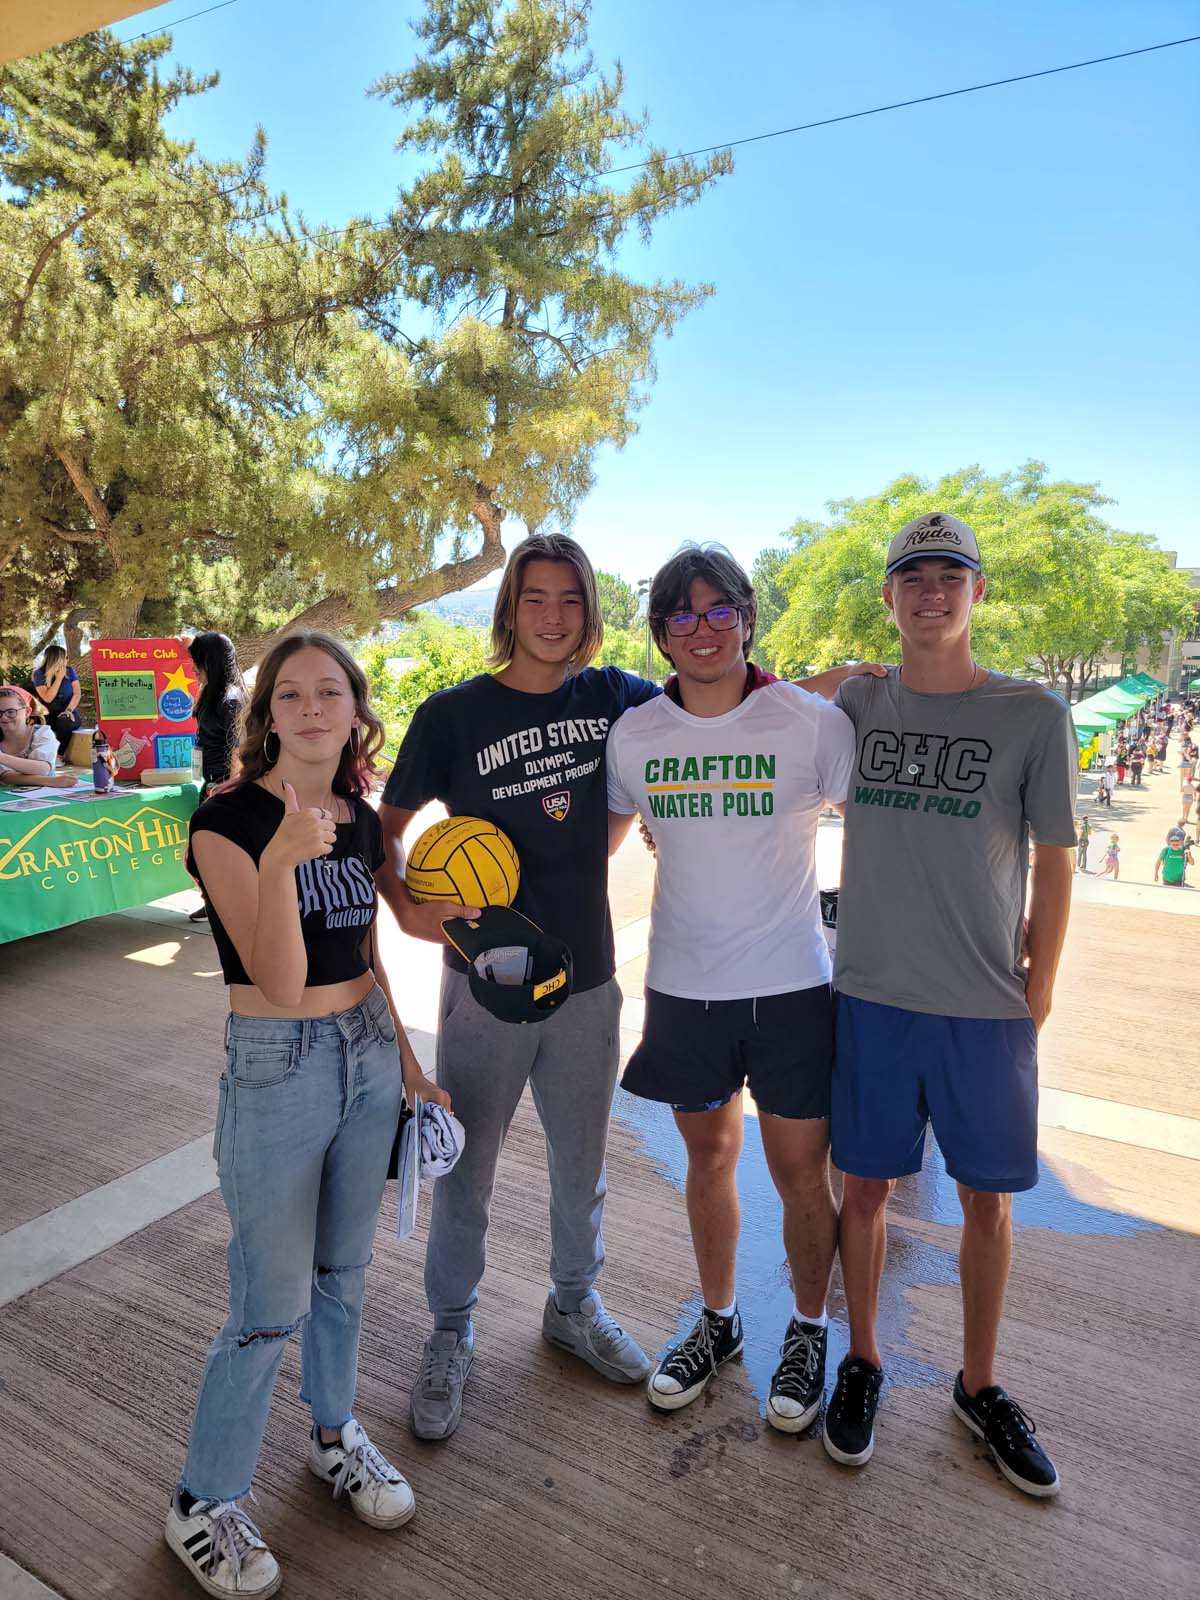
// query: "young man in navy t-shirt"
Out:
[524,749]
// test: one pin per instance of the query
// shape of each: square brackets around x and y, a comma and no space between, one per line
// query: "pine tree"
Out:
[524,347]
[151,333]
[191,380]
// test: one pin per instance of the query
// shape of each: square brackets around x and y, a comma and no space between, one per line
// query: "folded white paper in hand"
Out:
[408,1174]
[431,1141]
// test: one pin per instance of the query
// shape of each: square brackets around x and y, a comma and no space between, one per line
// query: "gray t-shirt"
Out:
[945,792]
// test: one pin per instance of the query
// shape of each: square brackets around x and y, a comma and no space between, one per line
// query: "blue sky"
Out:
[985,279]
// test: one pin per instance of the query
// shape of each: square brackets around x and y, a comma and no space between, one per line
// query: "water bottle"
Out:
[102,778]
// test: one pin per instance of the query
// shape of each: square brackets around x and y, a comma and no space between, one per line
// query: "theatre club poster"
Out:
[146,693]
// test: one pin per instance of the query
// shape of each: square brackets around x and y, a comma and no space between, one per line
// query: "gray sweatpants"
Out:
[570,1064]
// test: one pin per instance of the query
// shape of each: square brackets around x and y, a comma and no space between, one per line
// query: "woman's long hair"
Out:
[357,766]
[55,656]
[216,657]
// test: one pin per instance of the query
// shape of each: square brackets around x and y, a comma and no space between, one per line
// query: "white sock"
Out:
[814,1322]
[722,1311]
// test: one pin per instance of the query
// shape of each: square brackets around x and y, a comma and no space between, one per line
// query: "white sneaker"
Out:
[222,1549]
[378,1494]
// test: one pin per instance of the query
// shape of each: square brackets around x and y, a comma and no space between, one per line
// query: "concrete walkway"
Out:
[112,1282]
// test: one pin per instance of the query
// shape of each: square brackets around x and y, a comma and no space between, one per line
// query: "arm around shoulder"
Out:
[827,684]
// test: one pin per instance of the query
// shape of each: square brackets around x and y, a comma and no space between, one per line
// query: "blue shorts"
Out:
[974,1078]
[697,1054]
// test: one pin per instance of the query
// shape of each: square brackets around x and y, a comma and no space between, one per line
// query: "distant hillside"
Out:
[470,609]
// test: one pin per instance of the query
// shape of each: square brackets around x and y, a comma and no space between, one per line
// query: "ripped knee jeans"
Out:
[305,1123]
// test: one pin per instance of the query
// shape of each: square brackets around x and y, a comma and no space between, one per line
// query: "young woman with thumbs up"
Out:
[286,854]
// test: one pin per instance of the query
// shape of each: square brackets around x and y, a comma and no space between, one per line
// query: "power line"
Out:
[192,15]
[778,133]
[900,105]
[851,116]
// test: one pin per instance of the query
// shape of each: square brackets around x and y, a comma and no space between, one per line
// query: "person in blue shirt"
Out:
[57,686]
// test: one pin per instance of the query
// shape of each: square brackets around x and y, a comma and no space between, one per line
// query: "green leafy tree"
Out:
[1055,597]
[1156,598]
[523,346]
[185,372]
[151,338]
[619,603]
[445,655]
[770,590]
[626,648]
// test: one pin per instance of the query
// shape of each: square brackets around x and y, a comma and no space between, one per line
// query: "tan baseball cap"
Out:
[937,533]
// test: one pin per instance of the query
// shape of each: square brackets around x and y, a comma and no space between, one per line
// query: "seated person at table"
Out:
[28,749]
[57,686]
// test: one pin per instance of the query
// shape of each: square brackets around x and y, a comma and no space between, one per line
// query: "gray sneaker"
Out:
[436,1402]
[592,1335]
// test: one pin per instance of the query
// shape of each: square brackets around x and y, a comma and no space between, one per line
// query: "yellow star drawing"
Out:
[179,680]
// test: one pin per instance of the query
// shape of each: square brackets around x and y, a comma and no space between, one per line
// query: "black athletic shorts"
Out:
[697,1054]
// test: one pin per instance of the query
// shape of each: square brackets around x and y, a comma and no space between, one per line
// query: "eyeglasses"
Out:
[12,711]
[720,619]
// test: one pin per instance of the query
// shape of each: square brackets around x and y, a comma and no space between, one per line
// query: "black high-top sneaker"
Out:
[684,1372]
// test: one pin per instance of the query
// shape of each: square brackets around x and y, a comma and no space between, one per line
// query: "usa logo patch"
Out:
[557,805]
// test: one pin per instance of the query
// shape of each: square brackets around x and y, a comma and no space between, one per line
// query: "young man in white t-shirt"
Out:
[731,784]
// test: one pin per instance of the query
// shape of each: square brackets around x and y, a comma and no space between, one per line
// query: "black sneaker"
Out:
[998,1420]
[683,1373]
[849,1435]
[799,1382]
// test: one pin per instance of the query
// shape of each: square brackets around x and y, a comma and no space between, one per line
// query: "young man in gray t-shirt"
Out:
[938,1013]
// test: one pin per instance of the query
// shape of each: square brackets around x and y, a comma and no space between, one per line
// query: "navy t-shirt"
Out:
[65,689]
[533,764]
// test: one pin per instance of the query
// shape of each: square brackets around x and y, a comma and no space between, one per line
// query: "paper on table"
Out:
[12,799]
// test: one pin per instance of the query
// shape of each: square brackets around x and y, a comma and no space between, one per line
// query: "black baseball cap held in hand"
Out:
[515,971]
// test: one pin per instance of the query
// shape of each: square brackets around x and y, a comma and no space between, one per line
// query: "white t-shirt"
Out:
[42,746]
[733,804]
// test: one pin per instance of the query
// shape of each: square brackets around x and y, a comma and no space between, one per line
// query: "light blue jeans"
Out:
[305,1125]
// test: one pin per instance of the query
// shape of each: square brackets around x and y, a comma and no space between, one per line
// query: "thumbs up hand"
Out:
[303,834]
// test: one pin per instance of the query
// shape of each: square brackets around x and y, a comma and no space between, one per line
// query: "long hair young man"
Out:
[524,748]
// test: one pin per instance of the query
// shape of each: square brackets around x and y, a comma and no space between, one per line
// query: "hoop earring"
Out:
[355,741]
[271,759]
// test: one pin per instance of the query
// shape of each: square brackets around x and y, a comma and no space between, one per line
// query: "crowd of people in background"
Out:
[1142,747]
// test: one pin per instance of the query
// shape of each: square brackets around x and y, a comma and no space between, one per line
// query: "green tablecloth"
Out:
[67,860]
